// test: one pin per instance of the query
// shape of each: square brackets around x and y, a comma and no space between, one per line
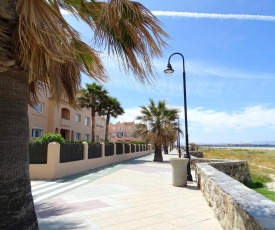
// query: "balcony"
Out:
[65,122]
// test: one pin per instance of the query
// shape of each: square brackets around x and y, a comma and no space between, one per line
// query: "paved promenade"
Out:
[137,194]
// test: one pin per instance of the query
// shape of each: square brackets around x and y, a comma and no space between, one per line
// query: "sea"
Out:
[242,147]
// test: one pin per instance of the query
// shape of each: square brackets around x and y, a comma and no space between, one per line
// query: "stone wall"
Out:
[238,170]
[235,205]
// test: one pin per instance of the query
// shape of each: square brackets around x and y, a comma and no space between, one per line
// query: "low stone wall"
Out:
[235,205]
[238,170]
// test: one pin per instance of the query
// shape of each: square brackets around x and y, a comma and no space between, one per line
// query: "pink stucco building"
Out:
[70,123]
[122,132]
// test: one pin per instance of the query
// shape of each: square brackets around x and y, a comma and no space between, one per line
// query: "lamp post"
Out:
[179,137]
[170,70]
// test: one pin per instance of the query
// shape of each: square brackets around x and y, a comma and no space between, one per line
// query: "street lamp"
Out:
[179,137]
[170,70]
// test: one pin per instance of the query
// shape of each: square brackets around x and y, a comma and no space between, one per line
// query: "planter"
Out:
[179,171]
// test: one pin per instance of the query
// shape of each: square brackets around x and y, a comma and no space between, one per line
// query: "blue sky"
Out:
[229,53]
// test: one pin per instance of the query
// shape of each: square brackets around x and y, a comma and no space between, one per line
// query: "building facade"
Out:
[122,132]
[72,124]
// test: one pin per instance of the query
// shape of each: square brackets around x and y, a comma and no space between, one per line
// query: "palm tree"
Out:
[155,126]
[110,107]
[173,134]
[39,49]
[92,97]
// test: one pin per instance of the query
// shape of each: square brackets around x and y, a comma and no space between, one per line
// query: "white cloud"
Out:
[64,12]
[214,16]
[214,121]
[249,117]
[207,15]
[128,116]
[208,69]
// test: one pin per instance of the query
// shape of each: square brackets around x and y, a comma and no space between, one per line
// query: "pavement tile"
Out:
[135,196]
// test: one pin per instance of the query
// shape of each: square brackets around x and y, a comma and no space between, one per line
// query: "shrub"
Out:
[76,141]
[137,142]
[50,137]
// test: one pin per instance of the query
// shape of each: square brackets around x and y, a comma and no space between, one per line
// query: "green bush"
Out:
[50,137]
[137,142]
[76,141]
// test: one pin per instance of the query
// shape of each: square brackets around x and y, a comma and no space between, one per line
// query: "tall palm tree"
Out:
[39,49]
[92,97]
[110,107]
[155,125]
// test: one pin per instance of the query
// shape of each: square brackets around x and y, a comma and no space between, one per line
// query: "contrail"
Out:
[218,16]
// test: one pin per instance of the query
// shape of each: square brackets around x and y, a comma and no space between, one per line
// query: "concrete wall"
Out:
[235,206]
[53,169]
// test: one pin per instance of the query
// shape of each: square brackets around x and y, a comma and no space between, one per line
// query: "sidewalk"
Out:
[137,194]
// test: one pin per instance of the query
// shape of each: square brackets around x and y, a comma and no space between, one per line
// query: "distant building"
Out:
[72,124]
[122,132]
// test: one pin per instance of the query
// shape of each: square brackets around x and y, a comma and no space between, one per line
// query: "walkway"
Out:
[136,194]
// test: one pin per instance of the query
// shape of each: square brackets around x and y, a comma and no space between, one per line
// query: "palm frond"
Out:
[8,20]
[132,33]
[44,49]
[157,123]
[89,60]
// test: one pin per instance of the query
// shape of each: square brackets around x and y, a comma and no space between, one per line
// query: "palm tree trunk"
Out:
[158,153]
[17,208]
[165,147]
[107,126]
[93,124]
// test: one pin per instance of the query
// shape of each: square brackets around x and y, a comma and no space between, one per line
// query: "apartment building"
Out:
[122,132]
[72,124]
[100,128]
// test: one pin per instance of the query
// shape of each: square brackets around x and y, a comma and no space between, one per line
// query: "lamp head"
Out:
[169,69]
[96,103]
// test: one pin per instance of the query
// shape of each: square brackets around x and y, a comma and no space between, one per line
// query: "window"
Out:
[86,137]
[77,136]
[128,135]
[77,118]
[87,121]
[129,127]
[114,128]
[120,128]
[38,107]
[113,135]
[119,135]
[37,132]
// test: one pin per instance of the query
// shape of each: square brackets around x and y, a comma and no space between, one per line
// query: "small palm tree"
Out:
[91,98]
[155,125]
[110,107]
[173,131]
